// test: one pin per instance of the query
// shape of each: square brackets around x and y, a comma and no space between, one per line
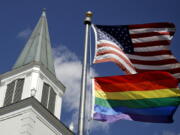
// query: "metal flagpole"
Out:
[87,23]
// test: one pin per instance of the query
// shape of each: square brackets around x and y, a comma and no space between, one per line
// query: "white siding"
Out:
[39,89]
[2,94]
[11,126]
[58,103]
[26,88]
[25,122]
[34,80]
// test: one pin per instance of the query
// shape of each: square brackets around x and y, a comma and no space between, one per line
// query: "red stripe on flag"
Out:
[154,53]
[153,43]
[108,45]
[152,25]
[150,34]
[158,62]
[115,53]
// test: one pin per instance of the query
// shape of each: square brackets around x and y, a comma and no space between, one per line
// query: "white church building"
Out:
[31,94]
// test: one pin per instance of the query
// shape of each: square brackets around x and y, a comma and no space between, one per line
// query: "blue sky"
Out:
[65,19]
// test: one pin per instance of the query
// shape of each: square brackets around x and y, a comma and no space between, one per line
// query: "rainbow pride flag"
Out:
[148,97]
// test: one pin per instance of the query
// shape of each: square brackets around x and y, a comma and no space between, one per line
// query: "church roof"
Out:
[38,47]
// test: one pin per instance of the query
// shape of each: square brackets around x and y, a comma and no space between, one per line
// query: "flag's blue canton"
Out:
[118,34]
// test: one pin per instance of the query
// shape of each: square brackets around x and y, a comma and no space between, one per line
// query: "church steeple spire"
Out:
[38,47]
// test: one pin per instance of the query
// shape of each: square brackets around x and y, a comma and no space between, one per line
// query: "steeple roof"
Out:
[38,47]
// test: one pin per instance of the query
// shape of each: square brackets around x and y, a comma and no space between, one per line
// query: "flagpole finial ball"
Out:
[89,14]
[88,17]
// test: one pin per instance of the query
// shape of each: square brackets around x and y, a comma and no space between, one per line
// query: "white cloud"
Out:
[68,69]
[24,33]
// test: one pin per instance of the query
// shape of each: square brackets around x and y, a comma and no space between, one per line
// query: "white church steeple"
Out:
[33,73]
[30,94]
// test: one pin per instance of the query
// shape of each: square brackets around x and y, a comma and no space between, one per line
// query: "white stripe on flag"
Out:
[146,30]
[177,75]
[150,58]
[152,38]
[151,49]
[108,42]
[159,67]
[101,49]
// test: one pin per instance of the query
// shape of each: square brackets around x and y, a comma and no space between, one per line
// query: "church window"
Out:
[14,91]
[48,97]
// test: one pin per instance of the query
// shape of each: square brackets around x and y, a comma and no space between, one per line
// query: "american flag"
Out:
[137,48]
